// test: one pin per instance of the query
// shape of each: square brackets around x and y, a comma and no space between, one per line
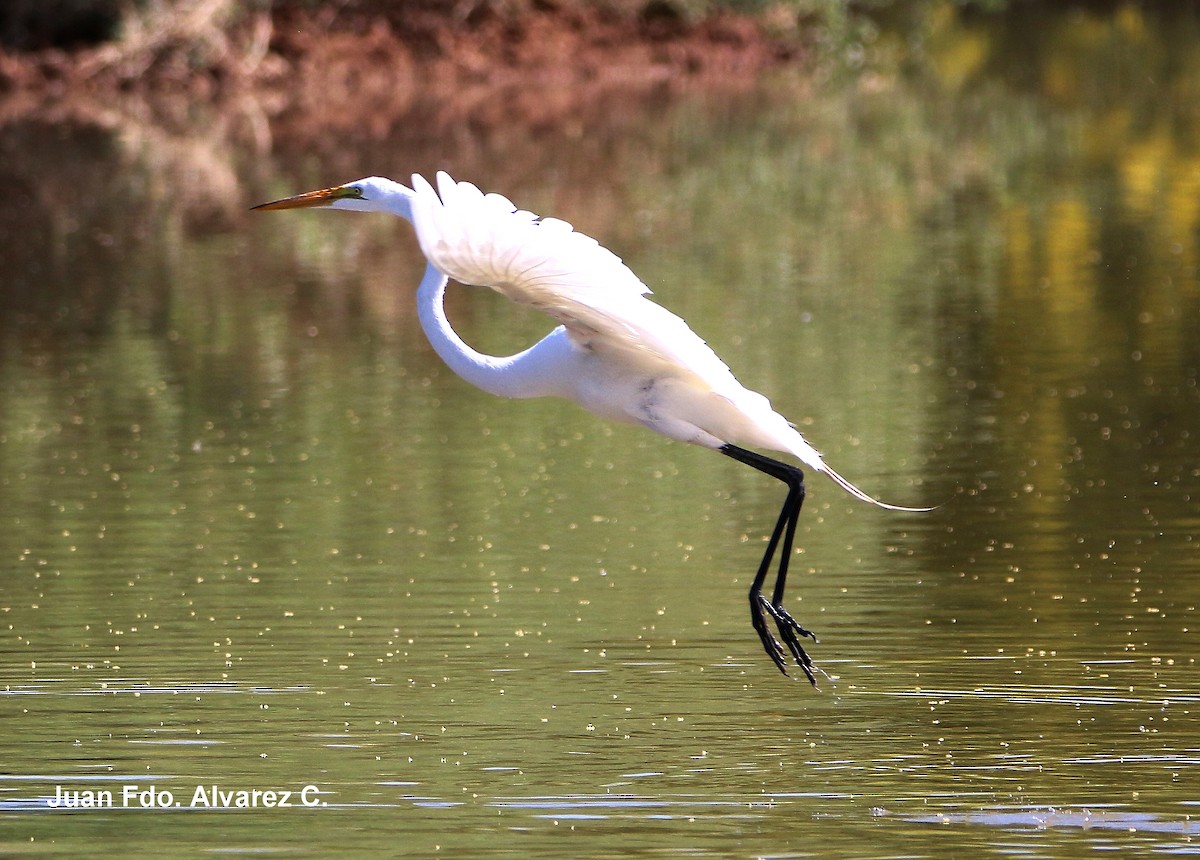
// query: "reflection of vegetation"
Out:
[231,468]
[991,256]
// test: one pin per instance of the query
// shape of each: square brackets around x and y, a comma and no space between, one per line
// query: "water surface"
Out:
[255,536]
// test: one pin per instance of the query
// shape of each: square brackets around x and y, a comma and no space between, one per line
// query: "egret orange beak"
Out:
[324,197]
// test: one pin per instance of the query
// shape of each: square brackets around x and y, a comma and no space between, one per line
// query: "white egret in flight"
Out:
[614,352]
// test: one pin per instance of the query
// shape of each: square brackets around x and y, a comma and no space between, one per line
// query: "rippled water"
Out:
[255,537]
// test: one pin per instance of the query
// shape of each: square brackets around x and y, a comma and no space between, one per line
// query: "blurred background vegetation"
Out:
[197,26]
[29,25]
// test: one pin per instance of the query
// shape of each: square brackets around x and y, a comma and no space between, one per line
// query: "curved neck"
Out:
[526,374]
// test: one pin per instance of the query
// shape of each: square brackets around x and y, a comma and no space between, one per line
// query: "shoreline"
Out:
[331,60]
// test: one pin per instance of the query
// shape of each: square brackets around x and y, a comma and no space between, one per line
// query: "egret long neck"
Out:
[527,374]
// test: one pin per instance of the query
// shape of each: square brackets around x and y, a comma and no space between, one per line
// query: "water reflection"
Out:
[255,534]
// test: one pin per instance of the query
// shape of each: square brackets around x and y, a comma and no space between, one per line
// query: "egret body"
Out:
[615,352]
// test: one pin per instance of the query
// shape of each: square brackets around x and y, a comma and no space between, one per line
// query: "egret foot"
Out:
[789,630]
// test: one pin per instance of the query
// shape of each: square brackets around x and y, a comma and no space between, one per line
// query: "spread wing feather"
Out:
[484,240]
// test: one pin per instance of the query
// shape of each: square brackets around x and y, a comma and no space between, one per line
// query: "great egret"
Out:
[615,352]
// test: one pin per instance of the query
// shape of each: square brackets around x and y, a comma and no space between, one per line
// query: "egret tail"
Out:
[861,495]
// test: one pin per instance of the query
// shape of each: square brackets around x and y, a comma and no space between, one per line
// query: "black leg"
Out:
[785,529]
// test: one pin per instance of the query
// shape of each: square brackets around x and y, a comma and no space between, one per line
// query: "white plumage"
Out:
[484,240]
[616,352]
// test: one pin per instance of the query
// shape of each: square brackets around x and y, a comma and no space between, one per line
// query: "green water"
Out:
[254,535]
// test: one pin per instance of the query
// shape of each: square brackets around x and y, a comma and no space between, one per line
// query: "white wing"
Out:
[483,240]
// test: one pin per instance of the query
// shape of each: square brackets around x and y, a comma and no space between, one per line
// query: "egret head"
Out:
[373,194]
